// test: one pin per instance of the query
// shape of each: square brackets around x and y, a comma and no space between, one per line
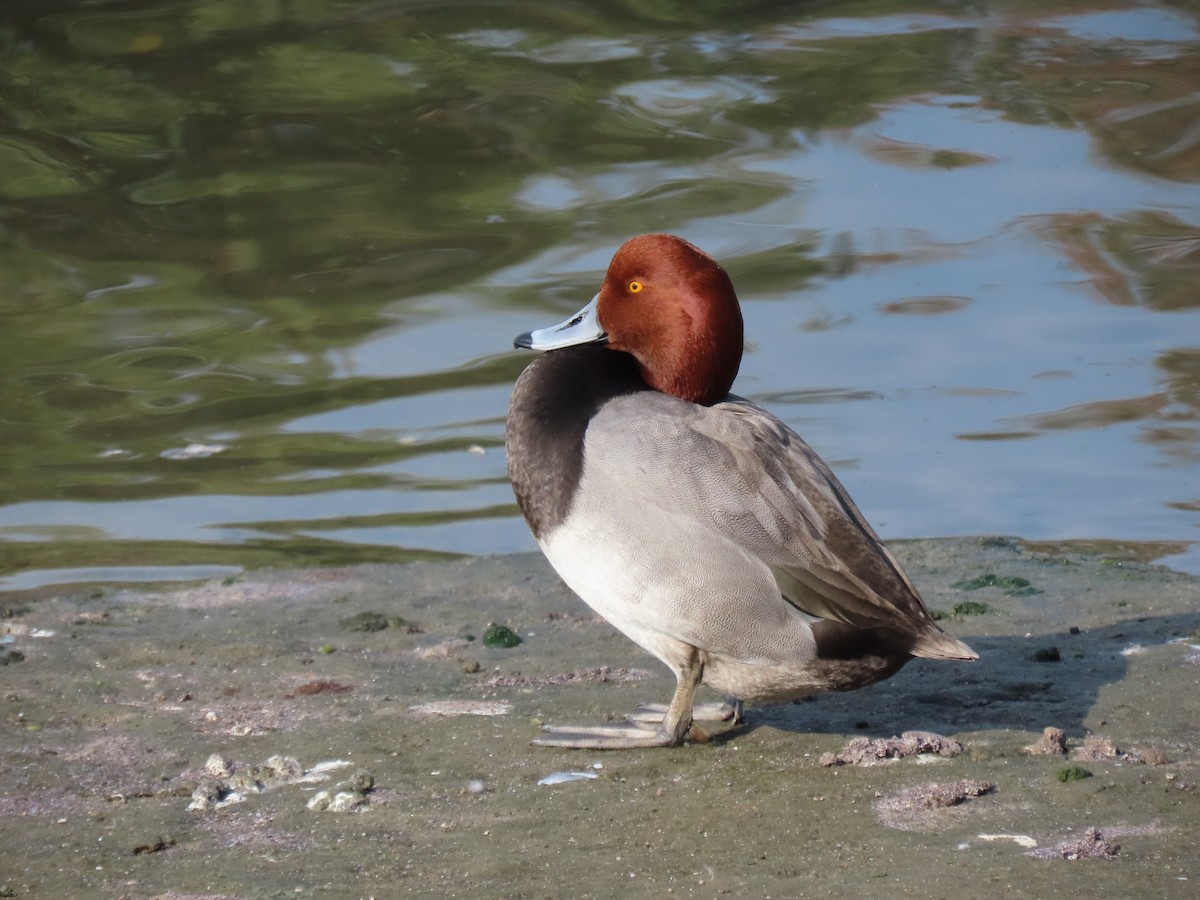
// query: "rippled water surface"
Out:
[261,263]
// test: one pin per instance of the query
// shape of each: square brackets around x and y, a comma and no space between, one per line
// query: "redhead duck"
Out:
[694,521]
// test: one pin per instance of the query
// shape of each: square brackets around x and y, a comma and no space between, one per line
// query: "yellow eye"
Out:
[635,287]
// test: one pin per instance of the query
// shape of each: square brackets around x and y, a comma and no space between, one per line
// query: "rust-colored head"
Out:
[672,307]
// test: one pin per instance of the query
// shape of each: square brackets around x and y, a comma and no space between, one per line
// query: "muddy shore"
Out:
[172,741]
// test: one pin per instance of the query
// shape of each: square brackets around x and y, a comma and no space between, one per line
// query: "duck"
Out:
[691,519]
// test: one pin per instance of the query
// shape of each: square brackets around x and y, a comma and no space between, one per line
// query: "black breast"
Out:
[552,403]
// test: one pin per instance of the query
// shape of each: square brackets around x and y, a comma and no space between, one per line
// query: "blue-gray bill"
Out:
[581,328]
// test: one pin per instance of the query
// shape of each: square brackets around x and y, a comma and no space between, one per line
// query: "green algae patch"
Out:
[364,621]
[959,610]
[1012,585]
[500,636]
[1072,773]
[970,608]
[369,622]
[991,580]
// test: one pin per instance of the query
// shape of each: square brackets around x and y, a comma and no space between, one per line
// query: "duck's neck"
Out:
[553,401]
[701,371]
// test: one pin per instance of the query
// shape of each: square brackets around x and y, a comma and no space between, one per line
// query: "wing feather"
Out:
[753,480]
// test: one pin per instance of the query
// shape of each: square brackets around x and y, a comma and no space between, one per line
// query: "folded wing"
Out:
[756,482]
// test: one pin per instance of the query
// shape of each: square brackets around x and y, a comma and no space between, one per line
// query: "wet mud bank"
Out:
[350,733]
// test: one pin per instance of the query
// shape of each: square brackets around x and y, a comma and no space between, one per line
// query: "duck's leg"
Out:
[672,727]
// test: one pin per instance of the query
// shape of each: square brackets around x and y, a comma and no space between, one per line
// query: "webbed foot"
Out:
[628,735]
[667,726]
[730,711]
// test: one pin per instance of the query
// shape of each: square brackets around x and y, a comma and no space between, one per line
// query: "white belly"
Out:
[668,584]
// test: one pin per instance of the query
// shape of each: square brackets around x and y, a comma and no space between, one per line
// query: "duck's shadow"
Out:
[1025,683]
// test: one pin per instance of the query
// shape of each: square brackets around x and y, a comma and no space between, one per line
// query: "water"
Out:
[261,263]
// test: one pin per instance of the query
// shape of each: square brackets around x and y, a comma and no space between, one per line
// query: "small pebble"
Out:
[1053,742]
[283,768]
[218,766]
[863,751]
[1152,756]
[1096,747]
[333,800]
[206,794]
[245,783]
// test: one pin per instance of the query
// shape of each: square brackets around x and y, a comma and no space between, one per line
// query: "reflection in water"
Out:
[260,264]
[1149,259]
